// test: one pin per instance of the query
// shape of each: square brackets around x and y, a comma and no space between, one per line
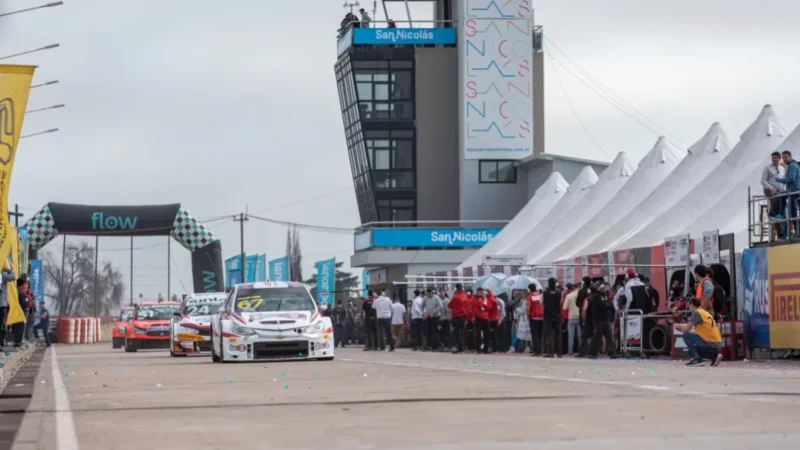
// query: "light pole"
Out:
[48,5]
[49,83]
[52,130]
[46,47]
[31,111]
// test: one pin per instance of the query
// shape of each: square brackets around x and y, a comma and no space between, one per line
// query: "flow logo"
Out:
[209,281]
[103,222]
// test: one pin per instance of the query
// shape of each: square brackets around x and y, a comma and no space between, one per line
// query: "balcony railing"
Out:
[764,229]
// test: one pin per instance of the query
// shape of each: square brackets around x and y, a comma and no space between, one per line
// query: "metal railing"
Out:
[760,223]
[432,224]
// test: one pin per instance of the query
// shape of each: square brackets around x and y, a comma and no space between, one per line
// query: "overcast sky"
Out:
[227,105]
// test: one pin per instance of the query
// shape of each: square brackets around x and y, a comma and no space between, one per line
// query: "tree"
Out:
[346,287]
[73,291]
[295,254]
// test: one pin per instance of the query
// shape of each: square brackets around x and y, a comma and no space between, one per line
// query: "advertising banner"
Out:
[623,260]
[421,237]
[37,279]
[15,85]
[279,269]
[326,281]
[711,247]
[784,296]
[404,36]
[250,268]
[598,269]
[496,79]
[756,305]
[15,313]
[261,267]
[676,251]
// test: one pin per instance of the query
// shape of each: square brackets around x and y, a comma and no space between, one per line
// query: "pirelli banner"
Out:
[783,267]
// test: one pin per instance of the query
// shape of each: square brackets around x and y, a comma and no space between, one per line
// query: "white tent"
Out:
[760,138]
[729,213]
[579,188]
[702,157]
[538,207]
[611,180]
[654,168]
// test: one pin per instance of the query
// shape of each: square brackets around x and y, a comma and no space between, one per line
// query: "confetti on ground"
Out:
[147,392]
[633,373]
[224,377]
[652,372]
[365,375]
[42,381]
[274,379]
[66,375]
[158,385]
[286,386]
[283,375]
[313,375]
[599,372]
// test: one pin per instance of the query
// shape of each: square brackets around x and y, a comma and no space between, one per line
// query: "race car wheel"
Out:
[116,342]
[221,355]
[129,349]
[328,358]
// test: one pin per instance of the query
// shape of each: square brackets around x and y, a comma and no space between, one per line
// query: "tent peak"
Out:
[585,180]
[765,125]
[620,167]
[715,140]
[661,153]
[554,184]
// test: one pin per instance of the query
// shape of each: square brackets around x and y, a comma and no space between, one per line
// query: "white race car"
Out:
[190,329]
[269,321]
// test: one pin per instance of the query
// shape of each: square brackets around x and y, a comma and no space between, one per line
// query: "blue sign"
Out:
[37,279]
[261,268]
[326,280]
[234,277]
[422,237]
[403,36]
[756,300]
[250,268]
[279,269]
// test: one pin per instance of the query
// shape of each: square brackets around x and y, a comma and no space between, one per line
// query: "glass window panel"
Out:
[403,155]
[382,143]
[401,64]
[384,203]
[364,91]
[506,172]
[381,111]
[402,133]
[369,64]
[381,179]
[384,76]
[376,134]
[488,171]
[400,203]
[402,110]
[401,85]
[360,76]
[381,160]
[384,215]
[404,215]
[365,110]
[381,91]
[403,180]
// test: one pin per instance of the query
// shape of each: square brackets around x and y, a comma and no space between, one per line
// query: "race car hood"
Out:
[198,322]
[276,320]
[145,324]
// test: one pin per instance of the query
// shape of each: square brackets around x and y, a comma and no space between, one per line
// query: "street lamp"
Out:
[44,84]
[46,47]
[52,130]
[45,109]
[49,5]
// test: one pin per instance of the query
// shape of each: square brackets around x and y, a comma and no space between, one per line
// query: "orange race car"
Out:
[149,326]
[118,332]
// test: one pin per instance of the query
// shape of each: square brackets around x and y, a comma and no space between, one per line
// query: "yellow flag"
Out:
[15,85]
[15,313]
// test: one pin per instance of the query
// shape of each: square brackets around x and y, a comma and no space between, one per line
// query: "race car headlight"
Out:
[316,328]
[139,330]
[121,329]
[187,330]
[242,331]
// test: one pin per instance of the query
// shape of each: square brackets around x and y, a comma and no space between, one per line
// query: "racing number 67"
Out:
[248,304]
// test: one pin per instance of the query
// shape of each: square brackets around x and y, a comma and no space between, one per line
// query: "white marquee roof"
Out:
[654,168]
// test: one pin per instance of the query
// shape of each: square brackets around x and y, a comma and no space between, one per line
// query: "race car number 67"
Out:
[247,303]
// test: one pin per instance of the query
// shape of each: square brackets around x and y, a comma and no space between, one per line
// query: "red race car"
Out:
[149,326]
[118,332]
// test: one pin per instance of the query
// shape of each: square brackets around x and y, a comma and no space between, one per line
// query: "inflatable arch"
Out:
[150,220]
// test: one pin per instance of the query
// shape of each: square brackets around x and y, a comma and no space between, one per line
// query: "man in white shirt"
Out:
[632,282]
[417,319]
[398,320]
[769,181]
[383,310]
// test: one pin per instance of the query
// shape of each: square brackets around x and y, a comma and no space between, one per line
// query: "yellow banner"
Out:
[783,265]
[15,313]
[15,85]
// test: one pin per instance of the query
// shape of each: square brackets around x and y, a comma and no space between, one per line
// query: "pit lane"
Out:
[404,399]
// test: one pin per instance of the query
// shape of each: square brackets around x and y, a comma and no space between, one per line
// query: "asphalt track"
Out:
[93,397]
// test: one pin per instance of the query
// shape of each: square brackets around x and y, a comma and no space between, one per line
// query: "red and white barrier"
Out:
[78,330]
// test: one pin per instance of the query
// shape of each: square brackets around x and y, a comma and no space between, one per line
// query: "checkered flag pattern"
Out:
[41,228]
[189,232]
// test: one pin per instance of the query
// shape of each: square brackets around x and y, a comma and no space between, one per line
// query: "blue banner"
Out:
[756,305]
[279,269]
[421,237]
[231,265]
[261,268]
[37,279]
[364,283]
[250,268]
[234,277]
[403,36]
[326,281]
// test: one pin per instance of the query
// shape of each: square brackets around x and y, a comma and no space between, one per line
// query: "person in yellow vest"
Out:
[704,343]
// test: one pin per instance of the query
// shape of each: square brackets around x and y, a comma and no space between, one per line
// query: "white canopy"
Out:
[702,157]
[612,179]
[654,168]
[538,207]
[582,184]
[761,138]
[729,213]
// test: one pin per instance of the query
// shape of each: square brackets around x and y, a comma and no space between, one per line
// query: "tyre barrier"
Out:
[78,330]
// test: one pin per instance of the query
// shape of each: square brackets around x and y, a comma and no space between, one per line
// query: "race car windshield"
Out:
[202,308]
[126,315]
[273,300]
[156,312]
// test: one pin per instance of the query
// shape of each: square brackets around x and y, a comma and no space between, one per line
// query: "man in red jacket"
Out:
[469,307]
[481,312]
[535,319]
[494,318]
[458,308]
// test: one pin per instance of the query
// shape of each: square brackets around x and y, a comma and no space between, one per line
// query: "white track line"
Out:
[66,437]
